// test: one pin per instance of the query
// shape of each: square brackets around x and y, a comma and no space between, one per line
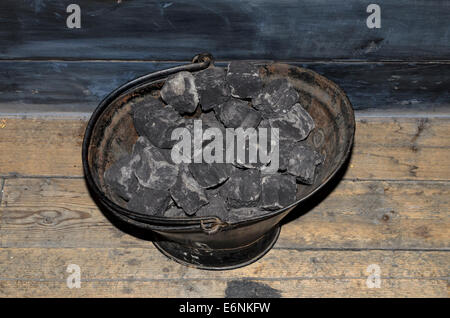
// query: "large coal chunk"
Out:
[212,87]
[120,177]
[156,122]
[254,149]
[153,170]
[278,96]
[244,79]
[149,201]
[294,125]
[180,91]
[187,193]
[216,206]
[209,175]
[191,142]
[277,191]
[247,152]
[237,113]
[302,162]
[243,188]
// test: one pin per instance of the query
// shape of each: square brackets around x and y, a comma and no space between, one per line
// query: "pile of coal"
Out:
[150,182]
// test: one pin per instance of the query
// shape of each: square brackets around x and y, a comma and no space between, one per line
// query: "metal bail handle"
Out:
[203,57]
[213,228]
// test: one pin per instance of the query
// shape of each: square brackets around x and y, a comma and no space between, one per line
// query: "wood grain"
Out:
[235,29]
[79,86]
[356,215]
[385,148]
[41,146]
[139,272]
[380,214]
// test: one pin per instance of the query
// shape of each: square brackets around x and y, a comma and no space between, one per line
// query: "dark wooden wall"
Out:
[44,66]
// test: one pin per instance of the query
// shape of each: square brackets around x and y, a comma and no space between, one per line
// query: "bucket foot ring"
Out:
[219,259]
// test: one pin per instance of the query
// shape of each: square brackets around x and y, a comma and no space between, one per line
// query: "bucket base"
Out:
[219,259]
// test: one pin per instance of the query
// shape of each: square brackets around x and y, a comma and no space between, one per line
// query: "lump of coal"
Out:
[216,206]
[277,191]
[211,87]
[153,170]
[156,122]
[210,120]
[189,147]
[258,149]
[237,113]
[179,91]
[149,201]
[120,177]
[246,154]
[174,211]
[243,188]
[244,79]
[294,125]
[209,175]
[285,148]
[278,96]
[302,162]
[187,193]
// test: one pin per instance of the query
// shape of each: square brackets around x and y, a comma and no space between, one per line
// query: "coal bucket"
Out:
[208,242]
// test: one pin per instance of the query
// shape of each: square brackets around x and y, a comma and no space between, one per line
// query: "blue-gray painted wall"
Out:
[44,66]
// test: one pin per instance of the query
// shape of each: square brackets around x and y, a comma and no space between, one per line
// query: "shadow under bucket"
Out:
[208,242]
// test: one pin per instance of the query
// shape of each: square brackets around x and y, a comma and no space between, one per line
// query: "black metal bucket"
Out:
[208,242]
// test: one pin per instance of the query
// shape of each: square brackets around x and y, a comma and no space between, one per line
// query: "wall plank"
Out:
[51,86]
[234,29]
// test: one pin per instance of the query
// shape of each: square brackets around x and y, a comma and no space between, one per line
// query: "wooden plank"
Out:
[356,215]
[233,29]
[308,288]
[385,148]
[41,147]
[80,86]
[132,272]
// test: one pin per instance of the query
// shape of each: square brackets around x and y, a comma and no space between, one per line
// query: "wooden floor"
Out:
[391,209]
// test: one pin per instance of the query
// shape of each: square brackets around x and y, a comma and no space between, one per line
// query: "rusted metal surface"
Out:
[197,241]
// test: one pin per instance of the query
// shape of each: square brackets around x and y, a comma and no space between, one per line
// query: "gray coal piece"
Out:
[212,87]
[120,177]
[216,206]
[180,92]
[237,113]
[247,156]
[244,79]
[209,175]
[156,122]
[154,171]
[294,125]
[149,201]
[302,162]
[187,193]
[174,211]
[210,120]
[243,188]
[277,191]
[277,96]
